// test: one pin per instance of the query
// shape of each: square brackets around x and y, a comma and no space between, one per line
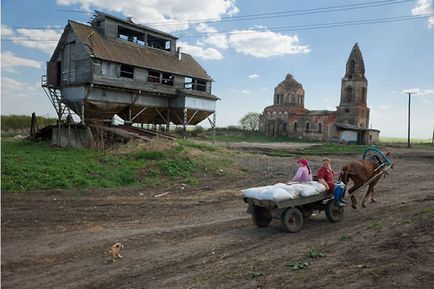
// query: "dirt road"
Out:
[202,238]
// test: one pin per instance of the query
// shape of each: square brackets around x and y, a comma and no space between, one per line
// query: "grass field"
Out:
[256,138]
[36,166]
[404,140]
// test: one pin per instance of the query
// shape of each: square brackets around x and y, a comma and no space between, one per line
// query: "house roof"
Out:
[133,54]
[105,15]
[354,127]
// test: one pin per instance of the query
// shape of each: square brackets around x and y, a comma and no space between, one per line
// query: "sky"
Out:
[247,47]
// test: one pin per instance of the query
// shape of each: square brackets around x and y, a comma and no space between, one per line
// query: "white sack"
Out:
[281,191]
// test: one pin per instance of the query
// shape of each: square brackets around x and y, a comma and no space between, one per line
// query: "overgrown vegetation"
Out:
[22,122]
[36,166]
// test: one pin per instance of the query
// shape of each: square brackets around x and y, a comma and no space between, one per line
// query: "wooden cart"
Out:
[292,212]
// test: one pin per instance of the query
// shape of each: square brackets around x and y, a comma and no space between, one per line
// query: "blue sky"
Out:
[252,56]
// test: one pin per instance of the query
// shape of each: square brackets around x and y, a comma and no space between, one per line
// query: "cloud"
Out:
[23,98]
[253,76]
[10,61]
[418,91]
[200,52]
[243,91]
[424,7]
[265,44]
[167,15]
[42,39]
[219,41]
[6,31]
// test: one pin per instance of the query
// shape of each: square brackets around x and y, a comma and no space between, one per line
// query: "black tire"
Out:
[292,220]
[261,216]
[307,213]
[333,212]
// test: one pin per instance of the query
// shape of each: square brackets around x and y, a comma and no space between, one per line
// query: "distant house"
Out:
[349,123]
[115,66]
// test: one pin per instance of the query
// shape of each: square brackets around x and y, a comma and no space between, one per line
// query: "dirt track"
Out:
[202,238]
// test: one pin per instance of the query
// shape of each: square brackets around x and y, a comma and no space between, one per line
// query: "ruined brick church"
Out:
[349,123]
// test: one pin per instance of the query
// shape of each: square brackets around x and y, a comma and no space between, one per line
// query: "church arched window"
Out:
[363,95]
[307,126]
[349,94]
[295,126]
[320,127]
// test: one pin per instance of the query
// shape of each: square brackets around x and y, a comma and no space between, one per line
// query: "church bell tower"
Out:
[353,107]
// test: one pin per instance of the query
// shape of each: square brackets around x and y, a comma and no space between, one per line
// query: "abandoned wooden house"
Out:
[117,67]
[349,123]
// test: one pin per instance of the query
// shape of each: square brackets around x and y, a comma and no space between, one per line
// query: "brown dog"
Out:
[114,251]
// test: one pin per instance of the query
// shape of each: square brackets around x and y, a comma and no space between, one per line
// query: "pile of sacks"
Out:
[280,191]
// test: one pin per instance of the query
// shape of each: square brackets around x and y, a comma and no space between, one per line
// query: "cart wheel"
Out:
[307,213]
[261,216]
[333,212]
[292,220]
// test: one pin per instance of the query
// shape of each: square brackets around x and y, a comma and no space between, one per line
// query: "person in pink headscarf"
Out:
[303,174]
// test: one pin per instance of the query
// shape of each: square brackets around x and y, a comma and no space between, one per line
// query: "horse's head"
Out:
[388,154]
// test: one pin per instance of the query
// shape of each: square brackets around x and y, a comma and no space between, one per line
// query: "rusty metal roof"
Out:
[133,54]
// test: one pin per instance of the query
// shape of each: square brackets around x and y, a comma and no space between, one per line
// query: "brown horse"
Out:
[360,172]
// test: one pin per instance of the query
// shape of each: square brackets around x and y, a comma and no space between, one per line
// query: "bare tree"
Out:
[250,121]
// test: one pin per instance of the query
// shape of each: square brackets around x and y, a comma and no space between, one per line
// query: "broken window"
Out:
[195,84]
[295,126]
[157,42]
[167,79]
[154,76]
[131,35]
[188,83]
[320,127]
[200,85]
[127,71]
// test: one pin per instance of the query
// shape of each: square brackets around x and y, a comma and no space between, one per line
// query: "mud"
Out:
[201,237]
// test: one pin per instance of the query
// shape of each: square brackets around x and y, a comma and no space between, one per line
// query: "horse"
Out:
[360,172]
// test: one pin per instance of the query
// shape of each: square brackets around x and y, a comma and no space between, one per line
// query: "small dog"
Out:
[114,251]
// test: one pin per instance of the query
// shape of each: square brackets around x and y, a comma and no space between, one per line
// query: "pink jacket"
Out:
[302,175]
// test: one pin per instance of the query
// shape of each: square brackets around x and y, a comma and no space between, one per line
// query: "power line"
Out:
[288,13]
[257,16]
[317,25]
[325,25]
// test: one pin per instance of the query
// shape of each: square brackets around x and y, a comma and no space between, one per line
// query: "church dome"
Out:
[289,91]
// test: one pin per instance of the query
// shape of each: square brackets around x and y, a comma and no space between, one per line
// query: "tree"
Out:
[250,121]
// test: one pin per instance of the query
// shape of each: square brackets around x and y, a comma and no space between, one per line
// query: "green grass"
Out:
[250,138]
[385,139]
[27,166]
[322,150]
[30,166]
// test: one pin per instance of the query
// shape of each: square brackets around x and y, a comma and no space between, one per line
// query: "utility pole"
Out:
[409,102]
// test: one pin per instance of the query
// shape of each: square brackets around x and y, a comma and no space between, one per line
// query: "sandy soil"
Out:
[202,237]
